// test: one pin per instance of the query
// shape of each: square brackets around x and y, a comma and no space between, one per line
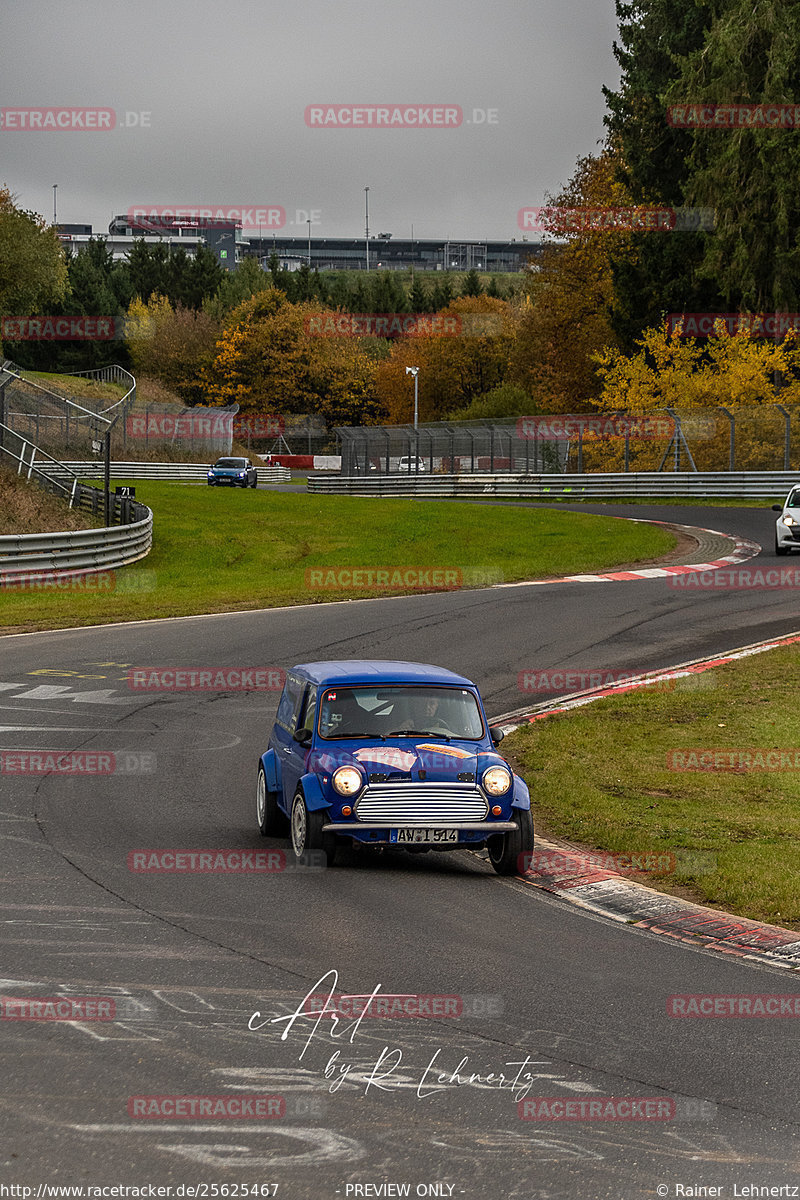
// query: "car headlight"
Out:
[496,781]
[346,781]
[788,520]
[242,474]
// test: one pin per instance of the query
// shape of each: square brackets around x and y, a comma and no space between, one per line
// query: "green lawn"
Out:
[219,549]
[600,777]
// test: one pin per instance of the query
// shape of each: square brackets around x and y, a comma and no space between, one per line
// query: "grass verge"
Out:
[218,550]
[599,777]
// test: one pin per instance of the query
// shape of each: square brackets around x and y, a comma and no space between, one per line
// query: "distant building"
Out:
[397,254]
[325,254]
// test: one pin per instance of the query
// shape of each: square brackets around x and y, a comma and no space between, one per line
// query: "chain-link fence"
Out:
[157,428]
[761,438]
[444,448]
[60,427]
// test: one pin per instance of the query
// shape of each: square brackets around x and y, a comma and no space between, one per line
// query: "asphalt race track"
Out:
[576,1003]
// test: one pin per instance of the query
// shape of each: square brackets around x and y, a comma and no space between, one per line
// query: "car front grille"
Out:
[421,803]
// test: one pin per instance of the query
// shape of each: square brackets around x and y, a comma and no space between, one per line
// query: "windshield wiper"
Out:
[418,733]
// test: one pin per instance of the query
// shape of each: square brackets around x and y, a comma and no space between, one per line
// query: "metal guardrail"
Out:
[78,551]
[563,487]
[113,374]
[166,471]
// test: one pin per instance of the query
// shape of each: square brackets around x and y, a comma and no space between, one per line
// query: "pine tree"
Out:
[748,175]
[418,297]
[472,284]
[655,38]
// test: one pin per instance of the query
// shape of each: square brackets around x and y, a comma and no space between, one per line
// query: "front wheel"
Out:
[505,849]
[271,820]
[779,549]
[306,830]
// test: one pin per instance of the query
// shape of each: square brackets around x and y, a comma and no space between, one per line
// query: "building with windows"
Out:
[386,253]
[382,252]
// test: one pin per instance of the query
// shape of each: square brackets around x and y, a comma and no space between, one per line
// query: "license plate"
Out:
[425,835]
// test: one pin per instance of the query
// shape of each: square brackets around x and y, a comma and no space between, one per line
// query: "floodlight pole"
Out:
[415,372]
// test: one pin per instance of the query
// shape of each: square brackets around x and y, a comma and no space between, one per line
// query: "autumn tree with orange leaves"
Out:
[465,355]
[570,295]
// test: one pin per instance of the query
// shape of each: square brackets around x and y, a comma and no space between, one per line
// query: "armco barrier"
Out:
[564,487]
[81,550]
[166,471]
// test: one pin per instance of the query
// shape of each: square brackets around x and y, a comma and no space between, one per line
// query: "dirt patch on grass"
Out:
[27,508]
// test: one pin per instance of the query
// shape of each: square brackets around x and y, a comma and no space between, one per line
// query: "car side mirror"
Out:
[304,737]
[496,734]
[777,508]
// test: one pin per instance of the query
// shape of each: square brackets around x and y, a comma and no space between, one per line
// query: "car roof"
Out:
[369,671]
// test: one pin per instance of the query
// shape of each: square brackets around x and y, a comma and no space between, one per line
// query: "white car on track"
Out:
[787,526]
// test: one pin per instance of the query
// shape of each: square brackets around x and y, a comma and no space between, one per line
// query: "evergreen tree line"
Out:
[707,52]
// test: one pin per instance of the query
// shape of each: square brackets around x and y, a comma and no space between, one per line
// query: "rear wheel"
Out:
[271,820]
[505,849]
[306,830]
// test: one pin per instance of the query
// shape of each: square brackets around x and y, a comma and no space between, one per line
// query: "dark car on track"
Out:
[389,754]
[232,472]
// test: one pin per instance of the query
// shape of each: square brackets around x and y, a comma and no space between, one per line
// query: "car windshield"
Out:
[239,463]
[400,711]
[794,499]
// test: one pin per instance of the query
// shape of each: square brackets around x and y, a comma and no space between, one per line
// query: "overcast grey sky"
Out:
[226,86]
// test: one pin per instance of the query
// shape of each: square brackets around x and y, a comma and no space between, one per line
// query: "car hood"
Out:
[227,470]
[403,758]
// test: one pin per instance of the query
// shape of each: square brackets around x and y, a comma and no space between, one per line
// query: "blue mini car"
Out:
[395,754]
[232,472]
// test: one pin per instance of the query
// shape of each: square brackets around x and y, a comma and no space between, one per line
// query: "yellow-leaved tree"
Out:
[698,380]
[269,359]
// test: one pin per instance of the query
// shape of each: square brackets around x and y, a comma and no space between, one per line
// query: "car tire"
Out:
[306,830]
[505,848]
[272,822]
[779,549]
